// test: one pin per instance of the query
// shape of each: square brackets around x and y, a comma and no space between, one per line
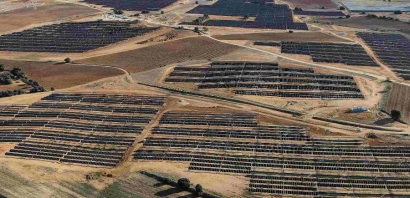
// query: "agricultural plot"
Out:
[319,13]
[392,49]
[312,4]
[77,128]
[73,37]
[376,6]
[349,54]
[159,55]
[133,5]
[282,36]
[399,99]
[266,79]
[277,159]
[267,15]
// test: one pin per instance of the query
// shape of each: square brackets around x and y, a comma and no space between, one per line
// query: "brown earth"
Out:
[399,99]
[60,76]
[20,18]
[310,4]
[159,55]
[283,36]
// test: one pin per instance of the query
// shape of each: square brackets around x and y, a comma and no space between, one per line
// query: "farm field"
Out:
[159,55]
[399,100]
[20,18]
[282,36]
[61,76]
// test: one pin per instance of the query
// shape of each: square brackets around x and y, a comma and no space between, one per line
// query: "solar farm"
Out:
[276,159]
[57,128]
[70,37]
[392,49]
[200,98]
[266,79]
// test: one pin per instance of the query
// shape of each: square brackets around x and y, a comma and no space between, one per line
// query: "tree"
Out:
[298,9]
[52,89]
[184,183]
[35,83]
[290,31]
[162,12]
[205,29]
[67,60]
[196,29]
[395,115]
[342,8]
[347,16]
[245,17]
[1,67]
[196,2]
[198,190]
[118,12]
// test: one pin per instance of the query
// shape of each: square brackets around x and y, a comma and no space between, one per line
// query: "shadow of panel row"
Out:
[113,109]
[108,99]
[240,162]
[226,119]
[134,5]
[318,95]
[392,49]
[303,149]
[349,54]
[72,37]
[253,133]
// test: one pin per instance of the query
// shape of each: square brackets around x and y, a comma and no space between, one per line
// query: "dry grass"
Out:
[61,76]
[283,36]
[152,57]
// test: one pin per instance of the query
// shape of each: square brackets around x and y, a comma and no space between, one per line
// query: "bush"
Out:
[67,60]
[145,12]
[323,7]
[184,183]
[196,2]
[1,67]
[395,115]
[52,88]
[198,190]
[398,12]
[347,16]
[245,16]
[371,135]
[137,15]
[196,29]
[17,72]
[118,12]
[162,12]
[342,8]
[297,8]
[205,29]
[290,31]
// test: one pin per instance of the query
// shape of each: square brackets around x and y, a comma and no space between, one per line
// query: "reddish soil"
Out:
[61,76]
[16,19]
[309,4]
[283,36]
[151,57]
[363,22]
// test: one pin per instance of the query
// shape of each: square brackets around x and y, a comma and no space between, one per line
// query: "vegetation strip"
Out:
[356,124]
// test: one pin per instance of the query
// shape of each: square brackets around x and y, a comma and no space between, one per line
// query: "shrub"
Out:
[395,115]
[196,2]
[196,29]
[1,67]
[198,190]
[118,12]
[297,8]
[35,83]
[290,31]
[398,12]
[52,88]
[245,16]
[323,7]
[342,8]
[137,15]
[184,183]
[162,12]
[205,29]
[371,135]
[67,60]
[145,12]
[347,16]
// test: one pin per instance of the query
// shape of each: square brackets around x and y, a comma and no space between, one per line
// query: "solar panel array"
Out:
[279,160]
[89,129]
[72,37]
[349,54]
[266,79]
[267,15]
[392,49]
[133,5]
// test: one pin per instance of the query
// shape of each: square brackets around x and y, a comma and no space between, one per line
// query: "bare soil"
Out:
[159,55]
[51,74]
[20,18]
[311,4]
[283,36]
[399,99]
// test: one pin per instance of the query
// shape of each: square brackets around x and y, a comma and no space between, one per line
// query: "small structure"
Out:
[359,109]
